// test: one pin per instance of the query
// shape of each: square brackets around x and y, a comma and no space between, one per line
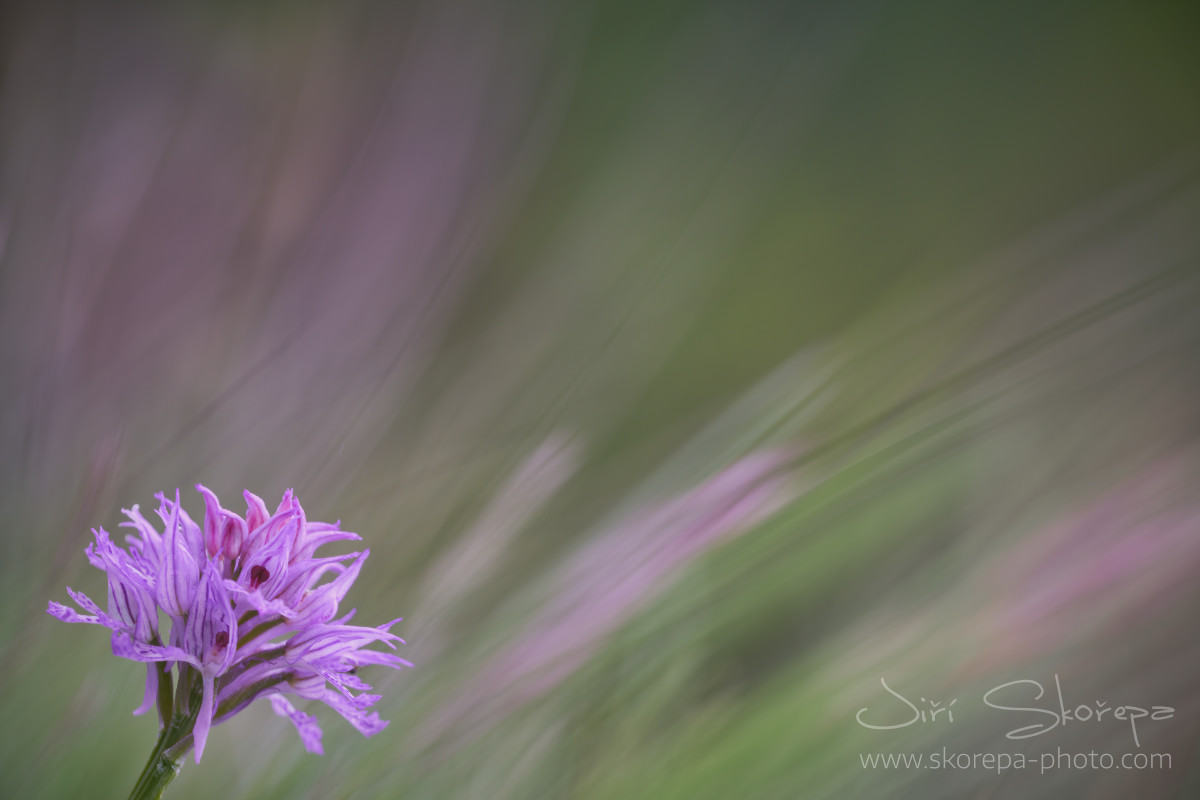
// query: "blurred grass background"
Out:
[686,366]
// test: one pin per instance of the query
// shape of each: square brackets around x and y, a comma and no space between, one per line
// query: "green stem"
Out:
[166,692]
[175,739]
[160,770]
[163,764]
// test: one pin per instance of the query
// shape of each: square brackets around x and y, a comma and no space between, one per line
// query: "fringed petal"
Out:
[205,717]
[306,724]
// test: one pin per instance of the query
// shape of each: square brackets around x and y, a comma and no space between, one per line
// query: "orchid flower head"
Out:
[251,615]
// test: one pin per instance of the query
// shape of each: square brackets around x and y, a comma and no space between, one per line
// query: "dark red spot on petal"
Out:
[221,640]
[258,575]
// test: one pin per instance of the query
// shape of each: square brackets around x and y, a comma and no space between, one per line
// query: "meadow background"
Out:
[686,366]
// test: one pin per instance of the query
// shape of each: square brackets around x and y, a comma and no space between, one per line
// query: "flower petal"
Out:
[150,698]
[178,574]
[306,724]
[150,542]
[256,601]
[256,511]
[68,614]
[205,717]
[124,646]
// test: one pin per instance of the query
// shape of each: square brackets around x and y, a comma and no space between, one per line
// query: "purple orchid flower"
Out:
[250,618]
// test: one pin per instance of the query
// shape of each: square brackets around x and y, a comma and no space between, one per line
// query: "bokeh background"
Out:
[687,367]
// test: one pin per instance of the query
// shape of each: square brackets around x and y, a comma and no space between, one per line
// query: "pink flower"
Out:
[249,615]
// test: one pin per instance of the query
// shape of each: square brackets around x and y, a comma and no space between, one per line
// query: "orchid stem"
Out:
[159,771]
[164,762]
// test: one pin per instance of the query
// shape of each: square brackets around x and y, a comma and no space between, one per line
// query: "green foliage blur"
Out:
[490,282]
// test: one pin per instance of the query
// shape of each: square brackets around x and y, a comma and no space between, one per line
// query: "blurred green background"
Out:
[687,367]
